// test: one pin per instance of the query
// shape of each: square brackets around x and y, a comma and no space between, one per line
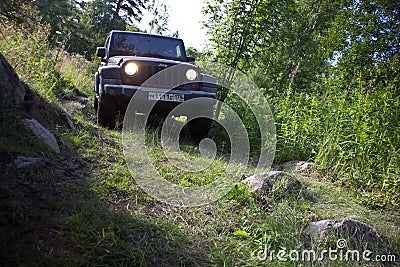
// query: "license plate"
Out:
[166,97]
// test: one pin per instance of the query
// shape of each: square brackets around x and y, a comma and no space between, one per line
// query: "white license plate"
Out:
[166,97]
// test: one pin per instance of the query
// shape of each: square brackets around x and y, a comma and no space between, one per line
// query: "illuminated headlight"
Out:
[131,68]
[191,74]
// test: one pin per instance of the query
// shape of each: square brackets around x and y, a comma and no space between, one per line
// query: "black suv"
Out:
[131,58]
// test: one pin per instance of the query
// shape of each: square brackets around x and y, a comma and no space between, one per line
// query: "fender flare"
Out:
[96,83]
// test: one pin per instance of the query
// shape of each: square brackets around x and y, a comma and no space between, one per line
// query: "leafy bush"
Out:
[352,134]
[361,142]
[78,70]
[48,70]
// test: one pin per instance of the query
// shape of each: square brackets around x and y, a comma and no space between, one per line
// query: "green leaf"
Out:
[241,233]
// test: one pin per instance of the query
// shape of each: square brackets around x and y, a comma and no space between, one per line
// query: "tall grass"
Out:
[361,144]
[28,51]
[352,134]
[49,70]
[79,71]
[350,131]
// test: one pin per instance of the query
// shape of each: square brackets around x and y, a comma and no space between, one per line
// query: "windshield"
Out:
[147,46]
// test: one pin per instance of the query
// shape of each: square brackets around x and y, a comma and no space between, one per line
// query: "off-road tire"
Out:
[106,112]
[199,127]
[96,104]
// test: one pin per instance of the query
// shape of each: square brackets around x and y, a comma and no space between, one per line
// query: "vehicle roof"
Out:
[146,34]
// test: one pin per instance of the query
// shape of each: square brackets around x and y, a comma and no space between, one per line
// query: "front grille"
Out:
[167,79]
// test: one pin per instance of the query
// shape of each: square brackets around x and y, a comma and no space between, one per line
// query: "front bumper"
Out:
[122,94]
[130,90]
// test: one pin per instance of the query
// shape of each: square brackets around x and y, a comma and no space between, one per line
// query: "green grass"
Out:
[83,207]
[15,139]
[351,136]
[187,159]
[121,225]
[98,215]
[78,71]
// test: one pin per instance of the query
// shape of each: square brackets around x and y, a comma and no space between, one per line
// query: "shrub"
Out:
[41,66]
[352,132]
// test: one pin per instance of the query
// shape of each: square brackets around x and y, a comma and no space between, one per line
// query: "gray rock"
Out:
[356,234]
[82,99]
[75,104]
[25,162]
[72,107]
[262,181]
[70,123]
[42,133]
[12,90]
[302,167]
[287,186]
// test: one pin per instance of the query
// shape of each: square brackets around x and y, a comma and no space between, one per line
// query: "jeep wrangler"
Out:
[129,59]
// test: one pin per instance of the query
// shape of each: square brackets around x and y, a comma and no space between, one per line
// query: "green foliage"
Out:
[11,11]
[351,134]
[159,22]
[298,126]
[231,26]
[272,38]
[79,71]
[231,231]
[331,73]
[346,119]
[97,18]
[370,36]
[28,51]
[80,26]
[249,121]
[361,143]
[193,52]
[61,16]
[51,72]
[234,29]
[98,215]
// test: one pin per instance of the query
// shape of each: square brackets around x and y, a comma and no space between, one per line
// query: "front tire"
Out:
[96,104]
[106,112]
[199,127]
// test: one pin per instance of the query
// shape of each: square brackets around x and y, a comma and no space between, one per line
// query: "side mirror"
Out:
[101,52]
[190,59]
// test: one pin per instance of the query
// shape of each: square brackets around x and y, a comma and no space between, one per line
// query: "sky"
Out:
[185,17]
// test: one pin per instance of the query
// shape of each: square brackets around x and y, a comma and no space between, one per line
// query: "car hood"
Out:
[119,60]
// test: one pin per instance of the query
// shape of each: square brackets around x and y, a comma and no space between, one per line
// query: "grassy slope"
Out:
[83,208]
